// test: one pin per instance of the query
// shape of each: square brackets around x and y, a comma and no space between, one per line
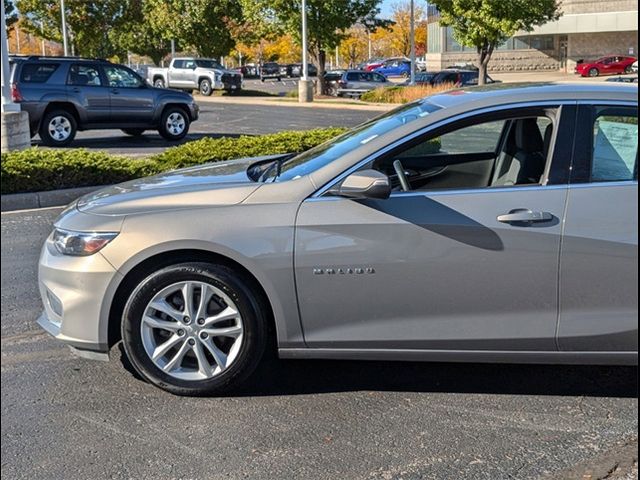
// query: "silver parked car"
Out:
[492,224]
[356,82]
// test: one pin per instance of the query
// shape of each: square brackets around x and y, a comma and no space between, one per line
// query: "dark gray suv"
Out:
[63,95]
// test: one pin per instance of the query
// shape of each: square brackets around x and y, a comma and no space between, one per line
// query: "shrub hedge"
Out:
[35,169]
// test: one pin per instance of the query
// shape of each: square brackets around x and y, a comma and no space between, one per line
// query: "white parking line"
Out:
[28,210]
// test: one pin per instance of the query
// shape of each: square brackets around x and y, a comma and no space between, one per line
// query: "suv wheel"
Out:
[134,132]
[58,128]
[158,83]
[205,87]
[174,124]
[194,329]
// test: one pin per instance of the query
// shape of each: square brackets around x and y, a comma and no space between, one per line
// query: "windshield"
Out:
[317,157]
[208,64]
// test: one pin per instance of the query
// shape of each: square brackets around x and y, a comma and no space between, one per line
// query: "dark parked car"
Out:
[270,70]
[332,79]
[422,78]
[624,79]
[458,77]
[64,94]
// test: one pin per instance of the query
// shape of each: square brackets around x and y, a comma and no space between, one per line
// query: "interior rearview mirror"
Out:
[365,184]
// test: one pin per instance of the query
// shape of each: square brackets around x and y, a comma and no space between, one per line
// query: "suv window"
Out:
[615,147]
[37,72]
[84,75]
[121,77]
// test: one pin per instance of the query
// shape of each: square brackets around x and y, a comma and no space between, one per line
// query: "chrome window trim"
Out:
[615,183]
[558,103]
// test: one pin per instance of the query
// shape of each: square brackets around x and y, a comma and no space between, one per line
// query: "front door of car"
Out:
[467,261]
[132,102]
[87,88]
[599,262]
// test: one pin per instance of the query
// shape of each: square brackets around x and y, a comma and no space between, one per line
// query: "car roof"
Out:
[506,93]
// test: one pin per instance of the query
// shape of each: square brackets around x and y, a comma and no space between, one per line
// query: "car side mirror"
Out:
[364,184]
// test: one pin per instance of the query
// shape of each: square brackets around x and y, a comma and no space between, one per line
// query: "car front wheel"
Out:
[205,87]
[593,72]
[194,329]
[58,128]
[174,124]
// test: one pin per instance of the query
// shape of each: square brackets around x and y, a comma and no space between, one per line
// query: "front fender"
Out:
[265,250]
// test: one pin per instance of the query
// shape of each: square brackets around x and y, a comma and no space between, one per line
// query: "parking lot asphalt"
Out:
[219,119]
[64,417]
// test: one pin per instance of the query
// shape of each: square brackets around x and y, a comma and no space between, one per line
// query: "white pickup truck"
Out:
[202,74]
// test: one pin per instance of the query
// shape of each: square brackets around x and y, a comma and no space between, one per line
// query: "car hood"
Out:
[212,184]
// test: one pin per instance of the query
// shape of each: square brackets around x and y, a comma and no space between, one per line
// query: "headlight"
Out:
[81,244]
[218,77]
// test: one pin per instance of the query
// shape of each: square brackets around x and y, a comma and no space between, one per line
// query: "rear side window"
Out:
[615,146]
[178,64]
[37,72]
[82,75]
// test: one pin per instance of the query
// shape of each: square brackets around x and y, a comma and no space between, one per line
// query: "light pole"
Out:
[64,29]
[14,124]
[412,35]
[305,93]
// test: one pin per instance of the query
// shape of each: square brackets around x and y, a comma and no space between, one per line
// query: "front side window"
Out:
[37,72]
[615,146]
[120,77]
[84,75]
[501,152]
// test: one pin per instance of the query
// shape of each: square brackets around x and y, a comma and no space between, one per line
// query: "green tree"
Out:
[91,24]
[143,33]
[10,14]
[485,24]
[203,26]
[327,23]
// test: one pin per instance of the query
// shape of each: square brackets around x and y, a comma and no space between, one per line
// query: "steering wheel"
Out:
[402,177]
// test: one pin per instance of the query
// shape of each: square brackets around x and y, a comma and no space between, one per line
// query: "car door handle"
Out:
[524,215]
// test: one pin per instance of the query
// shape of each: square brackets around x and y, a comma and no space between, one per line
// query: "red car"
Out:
[611,65]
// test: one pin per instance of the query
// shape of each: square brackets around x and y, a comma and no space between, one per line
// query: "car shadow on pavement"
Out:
[295,377]
[276,377]
[147,140]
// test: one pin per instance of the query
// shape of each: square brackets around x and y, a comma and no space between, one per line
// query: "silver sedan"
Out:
[490,224]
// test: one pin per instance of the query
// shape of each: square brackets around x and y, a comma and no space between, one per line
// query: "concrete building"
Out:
[587,29]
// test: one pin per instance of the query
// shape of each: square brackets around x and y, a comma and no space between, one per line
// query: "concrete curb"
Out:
[279,102]
[53,198]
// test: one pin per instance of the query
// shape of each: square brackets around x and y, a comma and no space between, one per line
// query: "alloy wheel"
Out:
[192,330]
[175,123]
[59,128]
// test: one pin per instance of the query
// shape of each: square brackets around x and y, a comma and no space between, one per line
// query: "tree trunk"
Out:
[321,84]
[484,55]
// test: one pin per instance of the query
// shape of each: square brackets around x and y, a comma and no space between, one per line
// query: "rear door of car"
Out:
[599,260]
[87,87]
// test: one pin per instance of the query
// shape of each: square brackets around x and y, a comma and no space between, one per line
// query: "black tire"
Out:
[594,72]
[134,132]
[159,83]
[236,288]
[205,87]
[69,130]
[164,129]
